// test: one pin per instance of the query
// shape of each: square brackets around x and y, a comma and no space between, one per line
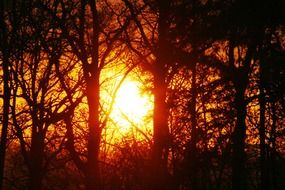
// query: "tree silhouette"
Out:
[10,14]
[215,70]
[6,91]
[91,42]
[36,83]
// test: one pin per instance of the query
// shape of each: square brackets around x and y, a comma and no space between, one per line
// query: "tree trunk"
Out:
[92,78]
[160,133]
[36,160]
[239,156]
[264,177]
[6,93]
[160,115]
[93,180]
[273,171]
[190,160]
[192,157]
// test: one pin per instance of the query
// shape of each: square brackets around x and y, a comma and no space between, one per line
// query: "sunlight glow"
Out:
[131,106]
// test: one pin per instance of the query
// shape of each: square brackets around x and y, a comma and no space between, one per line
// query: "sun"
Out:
[131,106]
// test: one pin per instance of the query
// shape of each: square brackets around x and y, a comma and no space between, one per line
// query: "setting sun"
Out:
[131,105]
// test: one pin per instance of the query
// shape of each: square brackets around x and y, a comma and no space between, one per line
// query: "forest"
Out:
[142,94]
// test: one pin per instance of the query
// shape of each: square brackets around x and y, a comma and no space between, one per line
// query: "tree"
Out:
[9,18]
[93,43]
[6,90]
[35,83]
[244,36]
[165,35]
[270,62]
